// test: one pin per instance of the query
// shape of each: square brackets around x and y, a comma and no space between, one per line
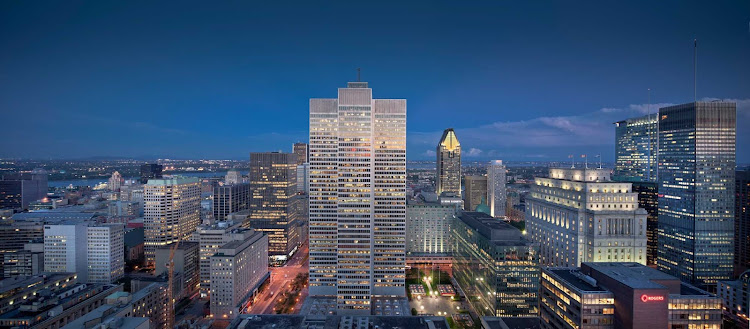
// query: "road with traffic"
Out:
[281,280]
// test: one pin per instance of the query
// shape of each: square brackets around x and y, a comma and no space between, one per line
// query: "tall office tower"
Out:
[238,268]
[742,222]
[65,248]
[696,188]
[357,197]
[18,190]
[648,199]
[105,252]
[151,171]
[475,193]
[301,150]
[273,181]
[229,199]
[636,157]
[233,177]
[636,149]
[496,194]
[115,182]
[581,215]
[171,212]
[448,178]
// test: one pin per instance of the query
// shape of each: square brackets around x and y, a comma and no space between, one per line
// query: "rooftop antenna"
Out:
[586,161]
[695,70]
[572,161]
[648,111]
[600,160]
[359,71]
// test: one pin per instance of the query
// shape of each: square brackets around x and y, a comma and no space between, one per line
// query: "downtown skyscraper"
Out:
[636,159]
[357,183]
[496,194]
[448,178]
[171,212]
[273,198]
[696,191]
[636,149]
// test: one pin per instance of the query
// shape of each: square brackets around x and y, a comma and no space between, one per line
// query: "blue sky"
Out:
[518,80]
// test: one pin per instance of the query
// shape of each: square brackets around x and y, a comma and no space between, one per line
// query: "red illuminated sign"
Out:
[647,298]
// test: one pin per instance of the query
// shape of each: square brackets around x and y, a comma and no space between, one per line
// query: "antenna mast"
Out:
[695,70]
[648,110]
[359,71]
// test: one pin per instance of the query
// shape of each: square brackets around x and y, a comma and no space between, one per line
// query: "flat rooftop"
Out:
[632,275]
[568,274]
[493,229]
[295,321]
[524,322]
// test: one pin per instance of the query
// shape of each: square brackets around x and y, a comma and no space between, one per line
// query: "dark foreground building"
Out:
[495,266]
[623,295]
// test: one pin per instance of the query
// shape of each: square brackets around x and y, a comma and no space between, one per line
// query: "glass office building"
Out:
[636,149]
[273,191]
[696,191]
[495,266]
[448,178]
[742,222]
[648,199]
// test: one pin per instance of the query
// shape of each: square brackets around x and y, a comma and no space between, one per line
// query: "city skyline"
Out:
[569,96]
[248,165]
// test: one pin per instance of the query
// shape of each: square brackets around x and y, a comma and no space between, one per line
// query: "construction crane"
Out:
[170,284]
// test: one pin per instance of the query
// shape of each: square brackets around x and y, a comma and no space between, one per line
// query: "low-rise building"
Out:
[428,227]
[49,309]
[623,295]
[14,291]
[26,262]
[143,309]
[238,269]
[210,238]
[734,294]
[95,251]
[284,321]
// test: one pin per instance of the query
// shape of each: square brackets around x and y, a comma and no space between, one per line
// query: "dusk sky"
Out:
[517,80]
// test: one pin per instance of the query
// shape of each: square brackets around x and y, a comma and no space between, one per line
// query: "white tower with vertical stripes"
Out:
[357,182]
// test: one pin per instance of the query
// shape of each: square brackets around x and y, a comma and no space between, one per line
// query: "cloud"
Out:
[429,153]
[473,152]
[589,132]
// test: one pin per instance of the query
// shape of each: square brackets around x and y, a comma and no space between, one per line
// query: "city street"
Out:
[281,279]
